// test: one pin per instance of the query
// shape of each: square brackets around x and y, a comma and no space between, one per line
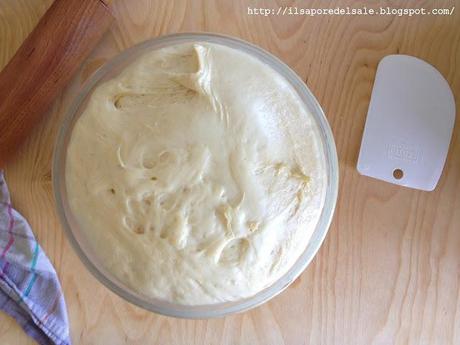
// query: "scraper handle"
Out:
[44,64]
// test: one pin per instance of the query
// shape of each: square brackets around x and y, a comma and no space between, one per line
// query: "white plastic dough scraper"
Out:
[409,124]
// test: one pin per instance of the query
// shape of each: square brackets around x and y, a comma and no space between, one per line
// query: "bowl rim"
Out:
[318,235]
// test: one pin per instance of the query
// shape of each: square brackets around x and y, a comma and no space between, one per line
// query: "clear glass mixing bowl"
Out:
[90,258]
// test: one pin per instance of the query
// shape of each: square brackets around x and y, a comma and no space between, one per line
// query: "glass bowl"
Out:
[90,258]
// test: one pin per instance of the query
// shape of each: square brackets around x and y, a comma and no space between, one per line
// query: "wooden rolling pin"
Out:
[44,64]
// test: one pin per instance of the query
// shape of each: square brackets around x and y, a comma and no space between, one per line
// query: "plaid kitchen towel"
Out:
[29,287]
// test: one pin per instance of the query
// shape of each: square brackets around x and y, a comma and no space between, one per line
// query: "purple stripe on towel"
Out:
[10,230]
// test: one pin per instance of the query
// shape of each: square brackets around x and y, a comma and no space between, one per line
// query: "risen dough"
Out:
[197,174]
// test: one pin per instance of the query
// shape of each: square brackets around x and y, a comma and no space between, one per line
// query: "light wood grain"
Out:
[389,270]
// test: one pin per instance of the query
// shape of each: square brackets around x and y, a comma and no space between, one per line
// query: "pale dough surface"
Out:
[196,174]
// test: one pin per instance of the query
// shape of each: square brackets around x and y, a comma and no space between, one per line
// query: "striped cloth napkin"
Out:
[29,287]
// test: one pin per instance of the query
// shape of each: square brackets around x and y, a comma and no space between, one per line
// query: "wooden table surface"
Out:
[389,269]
